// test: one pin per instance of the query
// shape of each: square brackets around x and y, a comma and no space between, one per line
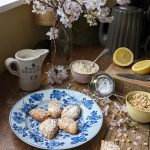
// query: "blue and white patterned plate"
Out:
[26,128]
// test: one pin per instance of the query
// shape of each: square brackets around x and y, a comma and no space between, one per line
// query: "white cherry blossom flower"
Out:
[65,21]
[38,8]
[53,33]
[94,4]
[138,137]
[72,9]
[103,15]
[63,18]
[103,2]
[117,123]
[56,74]
[119,134]
[123,108]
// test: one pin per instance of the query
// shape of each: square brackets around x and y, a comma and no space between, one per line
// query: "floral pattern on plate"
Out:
[27,129]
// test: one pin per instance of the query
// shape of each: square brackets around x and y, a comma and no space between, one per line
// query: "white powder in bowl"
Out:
[83,68]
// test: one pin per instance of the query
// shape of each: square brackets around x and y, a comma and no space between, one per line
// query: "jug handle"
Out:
[102,34]
[8,63]
[146,43]
[148,13]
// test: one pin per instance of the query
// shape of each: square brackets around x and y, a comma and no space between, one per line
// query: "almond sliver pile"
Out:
[140,101]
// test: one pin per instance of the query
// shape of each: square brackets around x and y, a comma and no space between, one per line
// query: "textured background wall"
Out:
[18,31]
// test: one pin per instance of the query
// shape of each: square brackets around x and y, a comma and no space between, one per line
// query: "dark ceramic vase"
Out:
[126,30]
[147,43]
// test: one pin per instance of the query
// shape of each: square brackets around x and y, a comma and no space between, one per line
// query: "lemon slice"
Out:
[123,57]
[142,67]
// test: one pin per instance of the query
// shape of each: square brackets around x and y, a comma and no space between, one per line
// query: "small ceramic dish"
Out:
[135,113]
[81,71]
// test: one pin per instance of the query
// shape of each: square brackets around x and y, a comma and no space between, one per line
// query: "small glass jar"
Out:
[61,47]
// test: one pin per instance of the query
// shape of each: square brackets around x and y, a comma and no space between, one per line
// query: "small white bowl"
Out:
[83,77]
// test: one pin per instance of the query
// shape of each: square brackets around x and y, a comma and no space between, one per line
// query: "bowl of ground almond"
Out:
[138,106]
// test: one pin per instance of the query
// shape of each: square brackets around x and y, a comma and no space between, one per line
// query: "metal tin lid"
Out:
[103,85]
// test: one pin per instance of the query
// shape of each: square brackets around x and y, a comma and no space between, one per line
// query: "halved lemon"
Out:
[142,67]
[123,57]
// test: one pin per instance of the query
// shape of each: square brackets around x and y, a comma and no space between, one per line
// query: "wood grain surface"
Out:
[126,85]
[10,94]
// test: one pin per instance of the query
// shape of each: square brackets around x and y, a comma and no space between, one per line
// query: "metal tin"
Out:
[103,85]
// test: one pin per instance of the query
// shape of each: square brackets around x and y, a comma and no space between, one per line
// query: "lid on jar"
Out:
[103,85]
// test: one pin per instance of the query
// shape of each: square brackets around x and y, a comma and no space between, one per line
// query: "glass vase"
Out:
[61,47]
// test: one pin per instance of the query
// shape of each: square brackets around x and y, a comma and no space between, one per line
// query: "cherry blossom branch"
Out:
[47,4]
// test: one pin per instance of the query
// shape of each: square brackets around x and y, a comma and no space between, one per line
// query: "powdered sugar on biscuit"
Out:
[39,114]
[54,106]
[71,111]
[68,125]
[39,111]
[49,127]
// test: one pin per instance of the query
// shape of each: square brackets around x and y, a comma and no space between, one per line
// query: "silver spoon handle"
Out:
[101,54]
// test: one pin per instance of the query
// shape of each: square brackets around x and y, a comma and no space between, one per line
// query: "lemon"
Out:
[142,67]
[123,57]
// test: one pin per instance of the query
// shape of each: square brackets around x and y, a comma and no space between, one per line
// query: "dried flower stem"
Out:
[111,111]
[143,129]
[47,5]
[54,53]
[118,97]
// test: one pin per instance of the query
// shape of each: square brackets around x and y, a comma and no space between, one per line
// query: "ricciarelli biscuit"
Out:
[39,114]
[48,128]
[68,125]
[54,109]
[71,111]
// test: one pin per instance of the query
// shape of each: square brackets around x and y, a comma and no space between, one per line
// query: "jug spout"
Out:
[42,53]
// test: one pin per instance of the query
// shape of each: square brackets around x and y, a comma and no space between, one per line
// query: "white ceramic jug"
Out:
[28,63]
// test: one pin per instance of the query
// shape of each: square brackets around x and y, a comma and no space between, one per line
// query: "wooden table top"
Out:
[10,94]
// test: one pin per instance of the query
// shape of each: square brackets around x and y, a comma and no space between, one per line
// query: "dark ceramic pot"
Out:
[147,43]
[126,30]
